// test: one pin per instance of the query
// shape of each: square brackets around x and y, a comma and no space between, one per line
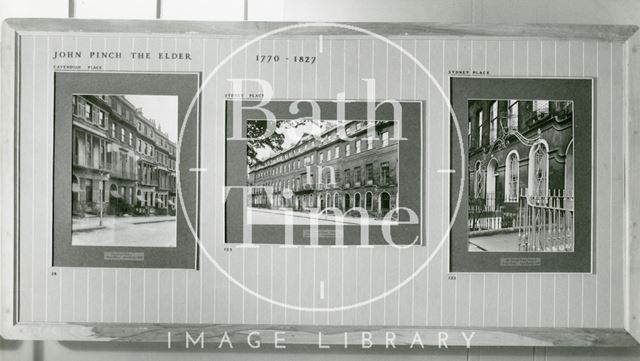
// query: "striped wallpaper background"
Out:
[325,277]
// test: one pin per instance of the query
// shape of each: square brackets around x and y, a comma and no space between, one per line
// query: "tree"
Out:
[257,128]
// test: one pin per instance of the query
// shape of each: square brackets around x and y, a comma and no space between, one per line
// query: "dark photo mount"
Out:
[527,198]
[124,168]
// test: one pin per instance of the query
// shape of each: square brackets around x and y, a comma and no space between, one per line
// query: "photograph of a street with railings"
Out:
[334,173]
[521,167]
[124,170]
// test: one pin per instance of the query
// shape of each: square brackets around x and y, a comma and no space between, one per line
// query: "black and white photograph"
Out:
[325,177]
[520,158]
[318,169]
[117,170]
[124,175]
[528,157]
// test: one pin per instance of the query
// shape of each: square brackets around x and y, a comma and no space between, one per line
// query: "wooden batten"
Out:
[248,28]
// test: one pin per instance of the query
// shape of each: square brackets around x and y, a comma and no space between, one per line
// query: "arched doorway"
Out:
[478,181]
[114,198]
[568,176]
[384,204]
[490,195]
[568,170]
[539,169]
[512,177]
[75,189]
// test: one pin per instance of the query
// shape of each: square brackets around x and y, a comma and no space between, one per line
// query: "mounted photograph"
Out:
[528,160]
[116,170]
[520,159]
[325,178]
[124,170]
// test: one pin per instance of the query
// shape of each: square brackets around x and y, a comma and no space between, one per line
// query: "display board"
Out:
[166,179]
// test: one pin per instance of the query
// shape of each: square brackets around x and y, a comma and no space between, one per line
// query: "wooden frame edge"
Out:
[632,199]
[328,335]
[7,179]
[246,28]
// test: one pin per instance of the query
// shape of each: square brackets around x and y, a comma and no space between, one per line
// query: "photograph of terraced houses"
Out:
[521,167]
[315,171]
[124,170]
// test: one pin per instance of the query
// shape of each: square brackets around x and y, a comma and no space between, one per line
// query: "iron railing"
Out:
[544,223]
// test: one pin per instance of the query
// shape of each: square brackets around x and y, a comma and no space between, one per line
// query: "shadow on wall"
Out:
[9,345]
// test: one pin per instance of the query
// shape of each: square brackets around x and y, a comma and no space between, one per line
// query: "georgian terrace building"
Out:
[503,166]
[165,169]
[332,172]
[114,158]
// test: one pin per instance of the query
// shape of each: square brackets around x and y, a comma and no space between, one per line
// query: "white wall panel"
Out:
[378,10]
[168,295]
[550,11]
[212,10]
[260,10]
[115,9]
[34,9]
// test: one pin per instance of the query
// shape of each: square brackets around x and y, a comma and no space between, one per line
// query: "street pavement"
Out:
[276,216]
[153,231]
[501,242]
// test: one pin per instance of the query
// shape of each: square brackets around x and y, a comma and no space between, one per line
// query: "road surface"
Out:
[501,242]
[126,232]
[276,216]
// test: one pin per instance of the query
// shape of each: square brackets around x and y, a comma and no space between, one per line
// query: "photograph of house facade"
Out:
[520,185]
[123,173]
[319,173]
